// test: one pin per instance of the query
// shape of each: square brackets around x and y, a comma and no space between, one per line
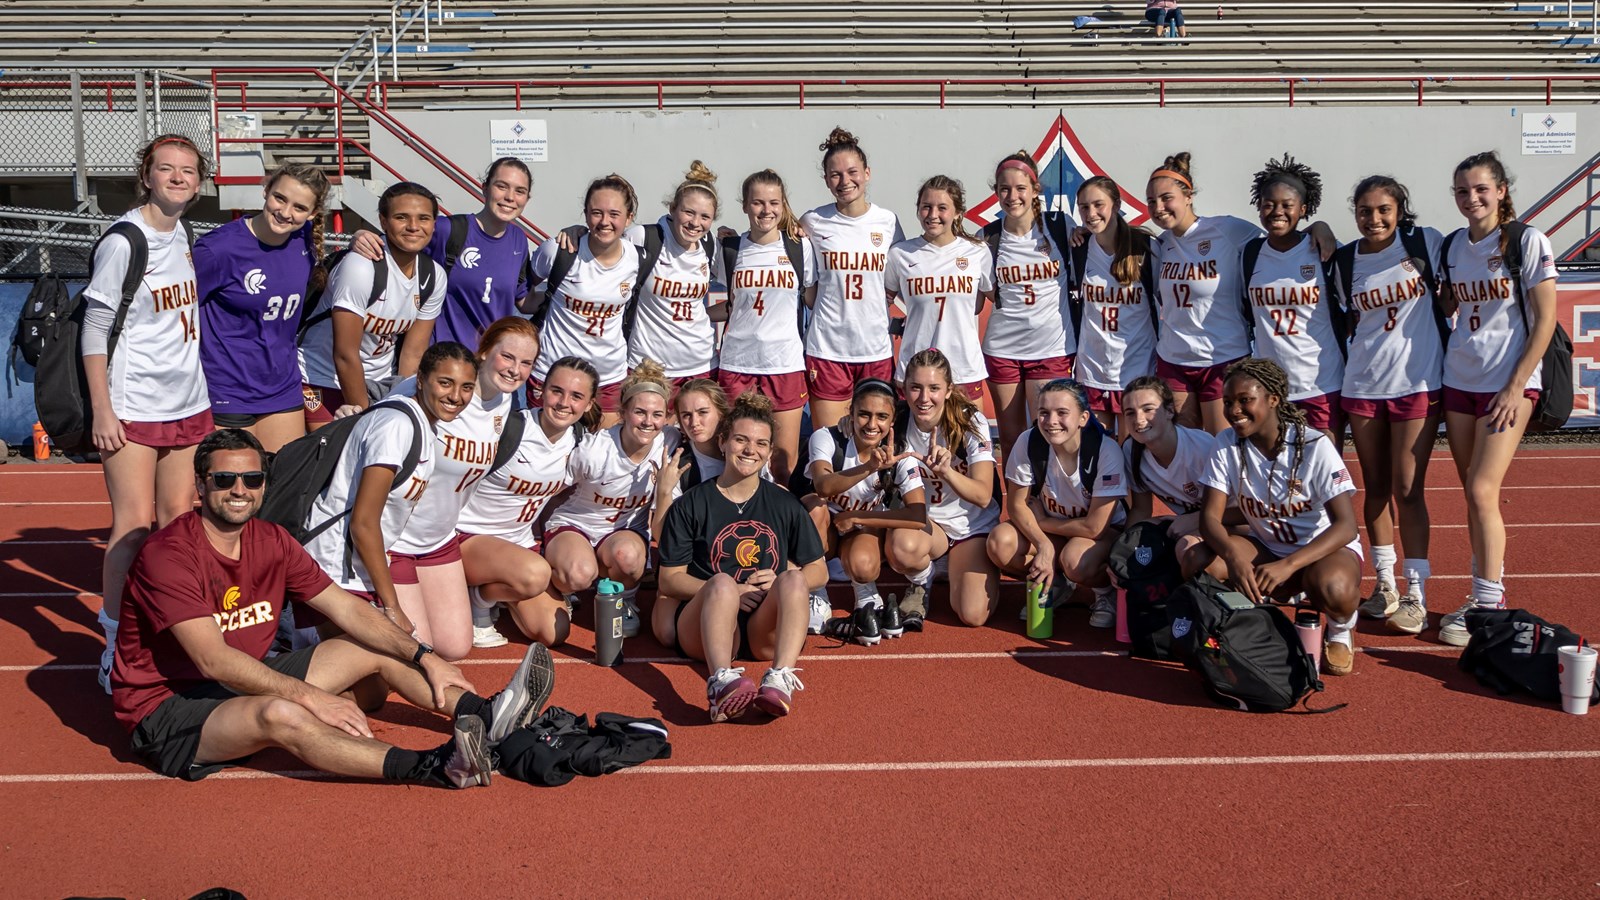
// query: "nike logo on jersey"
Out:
[254,281]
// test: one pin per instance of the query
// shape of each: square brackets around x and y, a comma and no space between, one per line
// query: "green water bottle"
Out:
[1041,620]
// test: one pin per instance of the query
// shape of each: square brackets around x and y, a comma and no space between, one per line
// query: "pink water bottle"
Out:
[1308,625]
[1123,636]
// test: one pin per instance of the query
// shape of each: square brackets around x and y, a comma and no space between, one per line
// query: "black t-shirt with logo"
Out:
[706,532]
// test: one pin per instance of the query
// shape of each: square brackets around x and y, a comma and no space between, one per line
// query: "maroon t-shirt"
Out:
[179,576]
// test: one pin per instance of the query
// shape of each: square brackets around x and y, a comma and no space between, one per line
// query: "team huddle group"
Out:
[533,417]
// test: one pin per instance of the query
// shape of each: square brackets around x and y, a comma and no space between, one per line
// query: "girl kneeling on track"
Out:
[1055,518]
[426,562]
[1392,387]
[501,551]
[1294,490]
[367,508]
[1295,313]
[1165,460]
[602,529]
[1492,371]
[1117,340]
[944,429]
[743,553]
[862,489]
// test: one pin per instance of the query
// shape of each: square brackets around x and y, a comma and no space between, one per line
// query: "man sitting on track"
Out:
[191,682]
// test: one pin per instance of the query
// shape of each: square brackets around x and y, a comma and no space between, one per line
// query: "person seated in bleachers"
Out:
[1165,14]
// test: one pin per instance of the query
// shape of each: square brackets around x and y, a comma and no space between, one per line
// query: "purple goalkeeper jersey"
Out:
[251,297]
[485,283]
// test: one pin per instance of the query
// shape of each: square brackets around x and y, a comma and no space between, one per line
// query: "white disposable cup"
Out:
[1576,665]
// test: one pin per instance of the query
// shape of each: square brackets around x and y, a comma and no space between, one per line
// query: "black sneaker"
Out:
[914,607]
[860,626]
[890,622]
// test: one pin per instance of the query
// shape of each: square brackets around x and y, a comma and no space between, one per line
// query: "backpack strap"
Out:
[654,234]
[1252,253]
[455,242]
[1417,250]
[1078,257]
[1092,436]
[1338,313]
[1512,261]
[559,269]
[991,236]
[797,258]
[1038,461]
[1342,274]
[1445,290]
[838,446]
[691,473]
[510,440]
[1152,286]
[902,424]
[402,477]
[730,256]
[138,259]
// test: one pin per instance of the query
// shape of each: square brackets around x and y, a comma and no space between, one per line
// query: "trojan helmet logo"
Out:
[254,281]
[469,258]
[744,547]
[747,552]
[230,599]
[961,264]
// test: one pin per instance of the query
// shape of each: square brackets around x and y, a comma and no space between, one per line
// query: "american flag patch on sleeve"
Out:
[1341,477]
[1111,481]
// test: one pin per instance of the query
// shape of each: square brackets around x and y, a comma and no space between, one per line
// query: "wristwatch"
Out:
[422,650]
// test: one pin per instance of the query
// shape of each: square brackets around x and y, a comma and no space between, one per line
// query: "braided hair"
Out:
[1299,177]
[1275,383]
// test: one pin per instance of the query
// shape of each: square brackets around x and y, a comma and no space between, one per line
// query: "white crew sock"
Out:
[1339,632]
[1488,594]
[109,626]
[866,594]
[1383,559]
[1417,574]
[924,578]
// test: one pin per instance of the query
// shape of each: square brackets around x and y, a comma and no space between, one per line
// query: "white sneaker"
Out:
[630,619]
[487,637]
[1103,611]
[104,675]
[1453,626]
[821,611]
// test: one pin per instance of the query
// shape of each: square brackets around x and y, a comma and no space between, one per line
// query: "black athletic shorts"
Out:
[247,420]
[168,739]
[742,651]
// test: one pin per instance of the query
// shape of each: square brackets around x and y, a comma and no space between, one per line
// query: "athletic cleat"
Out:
[469,764]
[890,623]
[728,693]
[914,607]
[524,696]
[1103,612]
[821,610]
[1383,603]
[860,626]
[1410,618]
[1338,658]
[487,637]
[630,619]
[777,691]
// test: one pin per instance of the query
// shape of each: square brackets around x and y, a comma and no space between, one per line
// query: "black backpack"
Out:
[797,259]
[1513,649]
[299,472]
[1088,458]
[1343,276]
[1336,310]
[565,259]
[60,388]
[1555,397]
[1145,564]
[1247,659]
[380,283]
[45,303]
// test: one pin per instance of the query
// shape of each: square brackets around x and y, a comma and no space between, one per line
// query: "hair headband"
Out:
[643,387]
[1017,164]
[872,384]
[1179,177]
[1293,182]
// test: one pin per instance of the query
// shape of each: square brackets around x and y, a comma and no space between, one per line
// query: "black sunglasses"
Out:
[223,481]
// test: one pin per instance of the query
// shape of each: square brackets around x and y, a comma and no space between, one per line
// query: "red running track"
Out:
[957,761]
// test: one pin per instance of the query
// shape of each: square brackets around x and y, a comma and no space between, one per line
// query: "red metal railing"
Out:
[378,92]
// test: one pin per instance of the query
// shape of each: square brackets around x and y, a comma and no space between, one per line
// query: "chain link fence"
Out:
[121,111]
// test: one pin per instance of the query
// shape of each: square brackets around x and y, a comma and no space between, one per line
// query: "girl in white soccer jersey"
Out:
[254,275]
[1066,526]
[364,510]
[672,324]
[873,491]
[348,354]
[942,279]
[761,346]
[427,561]
[1492,376]
[1294,312]
[583,317]
[1164,460]
[1117,340]
[1392,388]
[1029,340]
[602,529]
[1288,480]
[150,403]
[501,552]
[949,436]
[1198,288]
[848,338]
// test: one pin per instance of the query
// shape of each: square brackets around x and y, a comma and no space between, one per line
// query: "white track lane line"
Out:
[969,765]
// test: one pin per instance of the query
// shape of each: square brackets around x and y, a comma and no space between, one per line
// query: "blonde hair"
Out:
[698,178]
[646,378]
